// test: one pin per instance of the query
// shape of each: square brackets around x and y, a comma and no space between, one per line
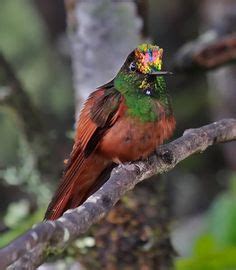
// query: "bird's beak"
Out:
[160,73]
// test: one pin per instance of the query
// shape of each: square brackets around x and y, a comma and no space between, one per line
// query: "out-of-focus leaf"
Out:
[220,260]
[205,245]
[223,219]
[216,250]
[16,212]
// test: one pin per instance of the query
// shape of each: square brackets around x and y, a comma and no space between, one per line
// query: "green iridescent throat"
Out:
[139,105]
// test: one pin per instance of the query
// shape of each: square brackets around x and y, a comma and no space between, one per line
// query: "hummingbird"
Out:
[124,120]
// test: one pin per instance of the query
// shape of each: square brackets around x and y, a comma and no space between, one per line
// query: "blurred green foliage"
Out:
[26,175]
[23,40]
[18,216]
[216,249]
[47,79]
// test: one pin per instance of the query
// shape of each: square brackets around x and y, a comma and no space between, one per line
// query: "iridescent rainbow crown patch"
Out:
[148,58]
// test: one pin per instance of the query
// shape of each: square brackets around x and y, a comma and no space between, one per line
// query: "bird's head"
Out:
[142,69]
[146,59]
[142,83]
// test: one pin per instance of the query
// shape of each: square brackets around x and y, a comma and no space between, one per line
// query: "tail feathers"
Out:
[57,208]
[101,180]
[88,178]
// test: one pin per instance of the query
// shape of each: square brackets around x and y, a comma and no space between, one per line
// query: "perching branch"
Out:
[31,249]
[207,52]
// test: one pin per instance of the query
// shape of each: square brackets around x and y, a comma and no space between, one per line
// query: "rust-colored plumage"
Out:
[107,133]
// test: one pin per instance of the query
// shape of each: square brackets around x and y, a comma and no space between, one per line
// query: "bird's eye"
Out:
[148,92]
[132,66]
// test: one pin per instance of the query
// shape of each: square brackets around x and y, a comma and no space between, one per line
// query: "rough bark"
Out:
[31,249]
